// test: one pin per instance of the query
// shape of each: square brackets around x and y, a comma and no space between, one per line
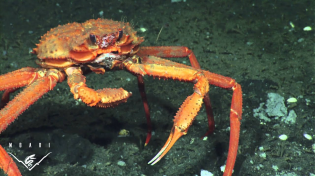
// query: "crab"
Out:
[72,50]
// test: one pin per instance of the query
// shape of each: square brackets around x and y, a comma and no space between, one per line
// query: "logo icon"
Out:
[28,162]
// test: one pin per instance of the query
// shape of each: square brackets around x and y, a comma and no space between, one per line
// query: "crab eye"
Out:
[93,38]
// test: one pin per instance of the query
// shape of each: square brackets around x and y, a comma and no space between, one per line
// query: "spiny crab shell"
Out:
[77,43]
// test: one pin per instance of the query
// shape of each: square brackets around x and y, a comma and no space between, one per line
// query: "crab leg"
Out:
[158,67]
[39,82]
[101,98]
[180,51]
[169,51]
[12,81]
[7,164]
[6,96]
[191,105]
[146,107]
[235,115]
[18,78]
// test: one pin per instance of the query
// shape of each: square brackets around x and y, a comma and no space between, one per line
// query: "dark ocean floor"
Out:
[262,45]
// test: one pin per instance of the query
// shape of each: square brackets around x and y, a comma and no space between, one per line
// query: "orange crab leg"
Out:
[39,84]
[169,51]
[6,96]
[180,51]
[183,119]
[191,105]
[235,115]
[7,164]
[103,98]
[18,78]
[166,69]
[12,81]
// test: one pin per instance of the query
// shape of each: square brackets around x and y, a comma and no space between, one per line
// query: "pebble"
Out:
[121,163]
[292,100]
[283,137]
[307,28]
[205,173]
[307,136]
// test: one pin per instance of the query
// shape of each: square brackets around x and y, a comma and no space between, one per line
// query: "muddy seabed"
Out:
[261,44]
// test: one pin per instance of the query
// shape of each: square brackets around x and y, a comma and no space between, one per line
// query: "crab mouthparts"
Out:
[106,57]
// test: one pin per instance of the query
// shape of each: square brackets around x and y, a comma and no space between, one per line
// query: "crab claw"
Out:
[184,116]
[176,133]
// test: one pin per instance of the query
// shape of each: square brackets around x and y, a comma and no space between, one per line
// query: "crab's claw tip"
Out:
[176,133]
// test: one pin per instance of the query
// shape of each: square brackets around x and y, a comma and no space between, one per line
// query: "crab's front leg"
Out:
[37,82]
[7,164]
[191,106]
[103,98]
[180,51]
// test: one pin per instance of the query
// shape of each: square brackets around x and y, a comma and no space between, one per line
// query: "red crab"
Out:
[71,50]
